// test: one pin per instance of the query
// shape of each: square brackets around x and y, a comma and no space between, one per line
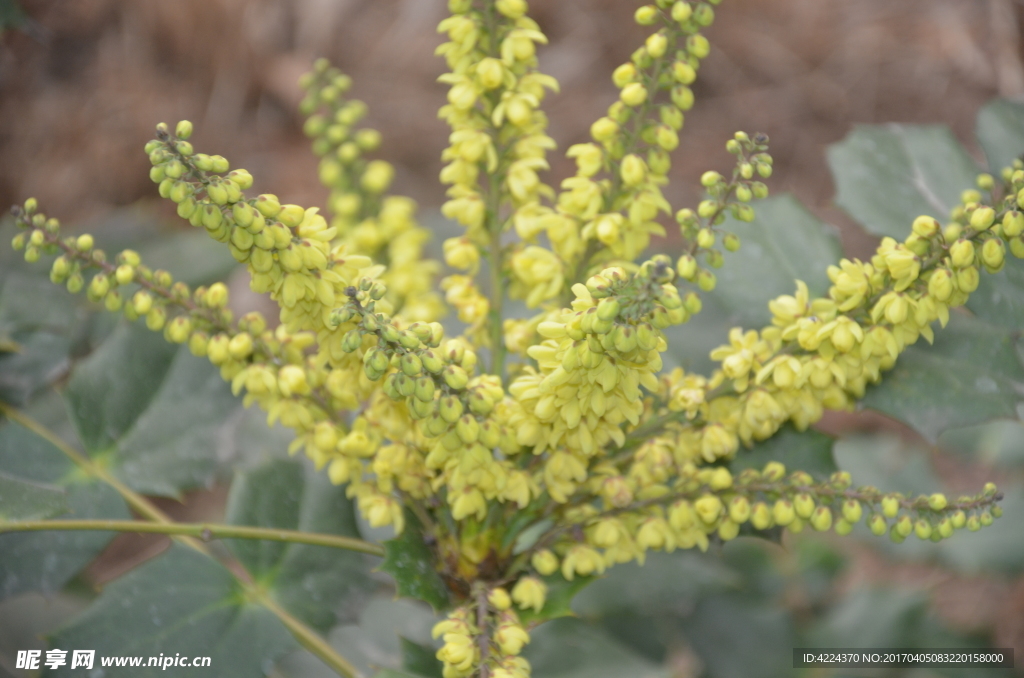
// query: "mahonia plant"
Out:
[562,425]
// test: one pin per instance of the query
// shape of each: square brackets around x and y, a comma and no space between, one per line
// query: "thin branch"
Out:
[202,531]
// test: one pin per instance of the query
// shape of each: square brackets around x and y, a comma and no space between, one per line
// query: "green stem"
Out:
[202,531]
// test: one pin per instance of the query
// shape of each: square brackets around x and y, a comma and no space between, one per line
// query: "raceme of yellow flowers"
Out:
[571,427]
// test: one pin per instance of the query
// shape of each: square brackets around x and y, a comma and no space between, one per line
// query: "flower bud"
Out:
[739,509]
[682,97]
[604,129]
[240,347]
[499,599]
[113,302]
[646,15]
[993,254]
[455,377]
[179,329]
[1013,224]
[705,238]
[940,284]
[142,302]
[968,279]
[852,511]
[292,379]
[904,526]
[761,516]
[959,519]
[683,73]
[821,518]
[708,508]
[545,562]
[656,45]
[877,524]
[983,218]
[633,170]
[962,253]
[925,226]
[681,11]
[530,592]
[803,504]
[98,287]
[183,130]
[633,94]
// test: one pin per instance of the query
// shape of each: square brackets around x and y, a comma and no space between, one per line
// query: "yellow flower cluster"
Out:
[498,133]
[491,635]
[591,365]
[822,353]
[366,219]
[600,219]
[589,443]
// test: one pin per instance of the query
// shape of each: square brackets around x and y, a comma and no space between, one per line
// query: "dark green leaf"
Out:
[998,443]
[1000,131]
[29,302]
[373,644]
[109,391]
[420,659]
[784,243]
[311,582]
[809,451]
[162,411]
[887,617]
[997,548]
[569,648]
[873,618]
[736,636]
[45,561]
[887,463]
[192,257]
[182,602]
[41,358]
[41,318]
[972,374]
[886,176]
[411,563]
[24,500]
[665,582]
[999,298]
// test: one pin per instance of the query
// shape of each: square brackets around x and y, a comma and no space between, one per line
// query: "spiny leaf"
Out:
[182,602]
[311,582]
[886,176]
[411,563]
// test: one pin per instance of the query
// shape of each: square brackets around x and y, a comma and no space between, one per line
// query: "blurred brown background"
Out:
[80,94]
[81,91]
